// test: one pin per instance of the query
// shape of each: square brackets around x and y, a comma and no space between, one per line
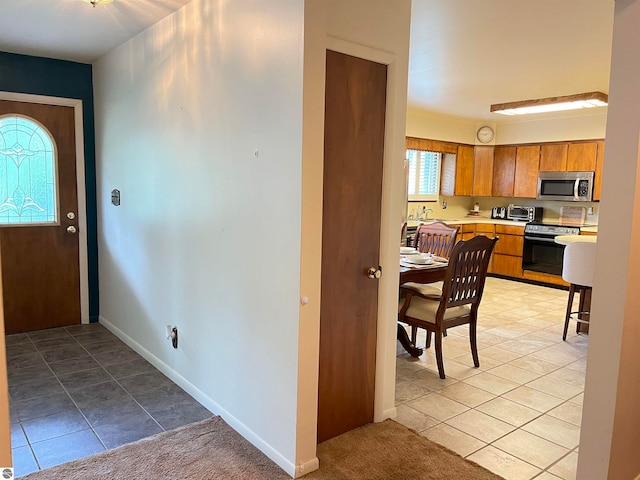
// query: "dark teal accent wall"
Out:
[58,78]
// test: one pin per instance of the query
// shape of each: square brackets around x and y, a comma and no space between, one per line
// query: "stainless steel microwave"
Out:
[565,186]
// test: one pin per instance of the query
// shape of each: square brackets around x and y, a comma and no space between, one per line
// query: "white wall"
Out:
[199,124]
[572,125]
[610,432]
[208,234]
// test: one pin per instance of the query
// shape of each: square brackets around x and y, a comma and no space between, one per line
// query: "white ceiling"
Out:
[74,30]
[465,54]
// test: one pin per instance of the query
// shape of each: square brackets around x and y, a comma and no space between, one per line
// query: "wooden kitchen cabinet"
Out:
[553,157]
[597,182]
[507,254]
[464,171]
[526,173]
[487,229]
[510,245]
[456,173]
[504,170]
[483,171]
[465,230]
[581,157]
[506,265]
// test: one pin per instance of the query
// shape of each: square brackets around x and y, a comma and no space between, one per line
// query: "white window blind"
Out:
[424,174]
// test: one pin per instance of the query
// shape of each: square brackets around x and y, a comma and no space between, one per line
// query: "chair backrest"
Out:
[578,263]
[467,272]
[403,231]
[437,238]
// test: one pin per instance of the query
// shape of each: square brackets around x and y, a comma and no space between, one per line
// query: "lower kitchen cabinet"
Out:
[468,231]
[507,265]
[507,255]
[465,230]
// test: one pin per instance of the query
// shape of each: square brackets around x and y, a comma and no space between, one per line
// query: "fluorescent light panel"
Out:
[552,104]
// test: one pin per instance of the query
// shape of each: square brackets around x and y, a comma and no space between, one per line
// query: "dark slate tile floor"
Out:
[75,391]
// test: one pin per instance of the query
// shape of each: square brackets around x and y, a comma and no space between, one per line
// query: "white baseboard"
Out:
[211,405]
[388,413]
[307,467]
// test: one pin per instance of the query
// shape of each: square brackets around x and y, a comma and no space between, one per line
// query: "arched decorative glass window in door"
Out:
[27,172]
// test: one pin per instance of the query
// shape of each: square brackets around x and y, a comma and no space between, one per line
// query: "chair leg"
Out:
[444,333]
[572,291]
[414,334]
[581,294]
[474,343]
[428,344]
[438,335]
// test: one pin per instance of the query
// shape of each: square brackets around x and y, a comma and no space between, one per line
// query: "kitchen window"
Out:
[424,175]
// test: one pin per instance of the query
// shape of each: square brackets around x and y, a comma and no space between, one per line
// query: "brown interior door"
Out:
[40,262]
[353,157]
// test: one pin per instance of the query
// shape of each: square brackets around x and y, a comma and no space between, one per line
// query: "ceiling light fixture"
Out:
[98,2]
[552,104]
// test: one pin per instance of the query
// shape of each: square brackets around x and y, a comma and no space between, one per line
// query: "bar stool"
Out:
[577,269]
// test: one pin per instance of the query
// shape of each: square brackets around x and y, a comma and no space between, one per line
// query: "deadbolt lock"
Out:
[71,215]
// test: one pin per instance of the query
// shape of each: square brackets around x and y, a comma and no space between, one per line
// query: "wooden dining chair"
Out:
[437,238]
[458,301]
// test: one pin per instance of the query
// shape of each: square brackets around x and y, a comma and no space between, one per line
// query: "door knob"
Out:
[71,229]
[374,272]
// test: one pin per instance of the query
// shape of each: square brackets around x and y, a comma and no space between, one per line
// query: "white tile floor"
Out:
[518,414]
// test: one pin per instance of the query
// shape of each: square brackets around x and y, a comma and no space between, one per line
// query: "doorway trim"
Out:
[80,179]
[391,209]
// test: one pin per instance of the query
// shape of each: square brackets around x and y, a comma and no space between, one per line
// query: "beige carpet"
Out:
[212,450]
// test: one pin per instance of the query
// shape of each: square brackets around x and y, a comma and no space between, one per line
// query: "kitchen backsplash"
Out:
[458,207]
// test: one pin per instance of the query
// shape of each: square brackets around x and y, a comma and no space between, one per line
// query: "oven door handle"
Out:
[540,239]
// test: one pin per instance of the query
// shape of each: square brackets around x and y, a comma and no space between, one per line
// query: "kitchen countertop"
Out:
[567,239]
[466,220]
[481,219]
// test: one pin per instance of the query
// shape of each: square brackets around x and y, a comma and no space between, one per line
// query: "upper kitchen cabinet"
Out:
[483,171]
[553,157]
[526,174]
[457,173]
[598,176]
[504,170]
[581,157]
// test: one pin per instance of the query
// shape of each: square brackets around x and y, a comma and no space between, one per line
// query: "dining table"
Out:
[432,273]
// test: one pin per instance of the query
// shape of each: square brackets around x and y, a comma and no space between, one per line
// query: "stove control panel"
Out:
[551,230]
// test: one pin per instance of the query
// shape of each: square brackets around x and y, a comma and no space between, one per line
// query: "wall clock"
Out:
[485,134]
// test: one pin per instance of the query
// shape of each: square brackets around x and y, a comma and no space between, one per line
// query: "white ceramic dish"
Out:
[419,260]
[407,250]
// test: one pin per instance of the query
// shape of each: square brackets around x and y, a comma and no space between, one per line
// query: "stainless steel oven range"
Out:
[540,252]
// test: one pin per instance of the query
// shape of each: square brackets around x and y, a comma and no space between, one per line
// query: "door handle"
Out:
[72,230]
[374,272]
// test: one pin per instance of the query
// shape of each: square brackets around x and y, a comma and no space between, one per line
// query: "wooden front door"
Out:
[38,217]
[353,157]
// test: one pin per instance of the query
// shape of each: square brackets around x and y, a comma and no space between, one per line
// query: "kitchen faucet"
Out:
[425,212]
